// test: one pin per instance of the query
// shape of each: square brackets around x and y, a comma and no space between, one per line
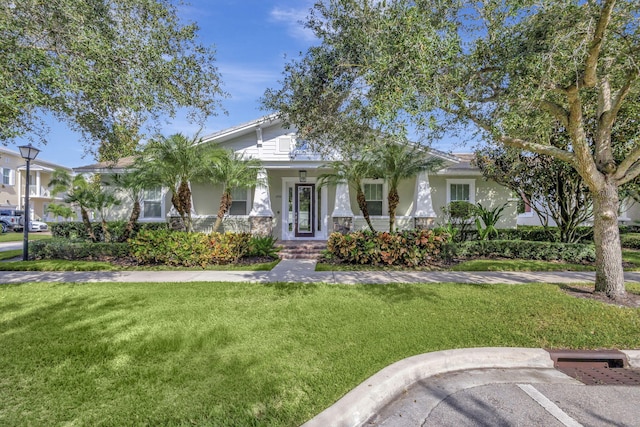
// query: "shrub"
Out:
[630,240]
[76,250]
[179,248]
[522,249]
[76,231]
[228,247]
[174,248]
[263,246]
[409,248]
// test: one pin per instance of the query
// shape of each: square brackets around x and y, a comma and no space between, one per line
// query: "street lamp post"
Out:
[28,153]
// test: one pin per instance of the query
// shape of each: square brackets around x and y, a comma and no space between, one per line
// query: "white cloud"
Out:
[293,18]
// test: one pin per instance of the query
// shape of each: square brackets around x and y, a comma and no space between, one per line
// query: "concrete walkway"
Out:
[303,271]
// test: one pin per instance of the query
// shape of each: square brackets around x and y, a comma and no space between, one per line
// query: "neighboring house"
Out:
[292,206]
[12,183]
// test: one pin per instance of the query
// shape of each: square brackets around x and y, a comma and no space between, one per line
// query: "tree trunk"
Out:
[225,204]
[133,218]
[394,200]
[362,204]
[105,231]
[87,224]
[606,236]
[184,199]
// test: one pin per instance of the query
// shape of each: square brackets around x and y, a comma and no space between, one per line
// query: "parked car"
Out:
[12,218]
[33,226]
[5,226]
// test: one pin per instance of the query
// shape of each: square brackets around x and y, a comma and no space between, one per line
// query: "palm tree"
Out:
[133,182]
[398,161]
[351,172]
[231,170]
[174,162]
[79,192]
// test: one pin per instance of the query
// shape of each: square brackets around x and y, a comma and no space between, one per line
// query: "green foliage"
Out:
[60,210]
[630,240]
[173,248]
[60,57]
[522,249]
[263,246]
[228,247]
[178,248]
[77,231]
[410,248]
[73,250]
[458,217]
[490,218]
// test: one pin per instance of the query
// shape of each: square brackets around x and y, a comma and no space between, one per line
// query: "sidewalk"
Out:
[303,271]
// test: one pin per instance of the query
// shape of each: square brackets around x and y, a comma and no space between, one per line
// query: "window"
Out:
[374,194]
[7,176]
[239,201]
[152,203]
[284,144]
[461,190]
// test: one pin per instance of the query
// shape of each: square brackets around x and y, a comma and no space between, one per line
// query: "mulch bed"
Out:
[631,300]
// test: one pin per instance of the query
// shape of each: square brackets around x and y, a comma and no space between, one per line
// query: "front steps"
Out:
[301,249]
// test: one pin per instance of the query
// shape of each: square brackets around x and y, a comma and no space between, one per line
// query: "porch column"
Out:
[261,215]
[423,213]
[38,192]
[342,214]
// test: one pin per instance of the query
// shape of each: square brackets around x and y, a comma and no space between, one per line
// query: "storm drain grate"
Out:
[603,367]
[603,376]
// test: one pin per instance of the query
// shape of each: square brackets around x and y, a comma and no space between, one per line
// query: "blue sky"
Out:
[253,41]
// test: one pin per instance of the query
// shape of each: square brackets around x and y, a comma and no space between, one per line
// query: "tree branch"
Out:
[591,65]
[556,111]
[632,172]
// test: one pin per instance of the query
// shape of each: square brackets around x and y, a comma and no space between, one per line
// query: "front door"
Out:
[304,210]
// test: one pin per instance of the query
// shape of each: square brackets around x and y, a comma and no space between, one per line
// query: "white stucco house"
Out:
[292,206]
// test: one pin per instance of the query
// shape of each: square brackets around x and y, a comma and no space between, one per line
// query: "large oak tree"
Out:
[514,70]
[102,66]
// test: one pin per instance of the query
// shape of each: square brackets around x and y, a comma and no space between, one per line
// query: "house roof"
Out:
[43,164]
[240,129]
[110,167]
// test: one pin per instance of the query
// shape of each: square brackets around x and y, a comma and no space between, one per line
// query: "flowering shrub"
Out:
[410,248]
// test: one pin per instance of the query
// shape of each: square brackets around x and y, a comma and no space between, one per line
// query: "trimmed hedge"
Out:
[409,248]
[522,249]
[630,240]
[179,248]
[76,231]
[78,250]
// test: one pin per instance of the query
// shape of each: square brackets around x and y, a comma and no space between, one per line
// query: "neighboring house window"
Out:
[461,190]
[7,176]
[152,203]
[374,194]
[239,201]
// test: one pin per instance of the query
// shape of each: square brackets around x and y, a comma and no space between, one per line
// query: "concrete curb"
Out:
[633,357]
[366,399]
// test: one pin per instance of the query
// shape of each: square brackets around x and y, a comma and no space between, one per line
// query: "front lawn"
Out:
[231,354]
[66,265]
[18,237]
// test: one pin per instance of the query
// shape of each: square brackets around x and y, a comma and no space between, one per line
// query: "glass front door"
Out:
[304,216]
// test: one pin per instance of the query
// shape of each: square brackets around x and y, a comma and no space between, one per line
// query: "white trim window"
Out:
[461,190]
[374,193]
[152,203]
[8,176]
[239,201]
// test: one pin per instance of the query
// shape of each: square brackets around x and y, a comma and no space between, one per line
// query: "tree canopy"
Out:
[106,67]
[514,70]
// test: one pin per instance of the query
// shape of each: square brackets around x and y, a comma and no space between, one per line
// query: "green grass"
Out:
[234,354]
[17,237]
[10,254]
[518,265]
[65,265]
